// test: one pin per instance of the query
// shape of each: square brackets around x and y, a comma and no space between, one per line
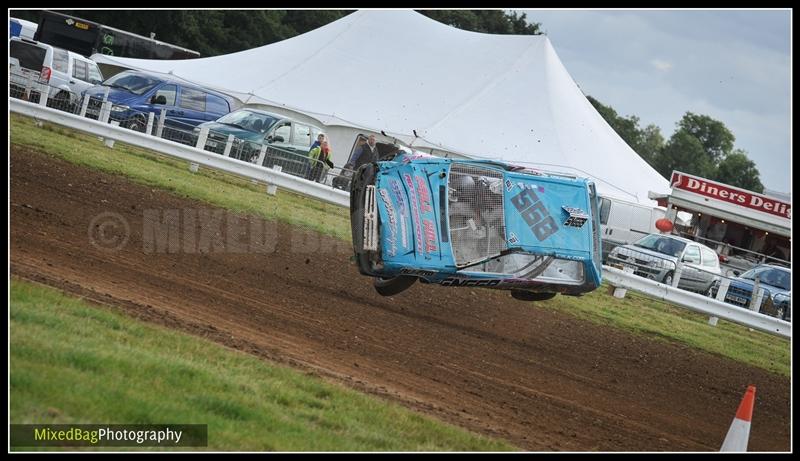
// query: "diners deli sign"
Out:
[730,194]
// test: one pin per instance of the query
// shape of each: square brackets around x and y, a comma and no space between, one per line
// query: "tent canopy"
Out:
[504,97]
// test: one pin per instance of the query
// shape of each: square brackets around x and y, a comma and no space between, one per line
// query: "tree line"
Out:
[700,145]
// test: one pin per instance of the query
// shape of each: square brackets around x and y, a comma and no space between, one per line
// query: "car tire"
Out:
[394,285]
[523,295]
[138,123]
[667,279]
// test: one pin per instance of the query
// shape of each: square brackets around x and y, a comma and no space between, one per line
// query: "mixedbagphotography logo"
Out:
[109,435]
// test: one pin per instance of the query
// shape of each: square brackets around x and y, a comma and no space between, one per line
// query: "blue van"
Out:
[135,93]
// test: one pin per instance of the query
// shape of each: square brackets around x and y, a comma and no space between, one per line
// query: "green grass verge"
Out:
[72,362]
[656,319]
[635,313]
[155,170]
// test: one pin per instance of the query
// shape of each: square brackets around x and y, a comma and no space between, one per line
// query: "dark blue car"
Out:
[777,285]
[134,94]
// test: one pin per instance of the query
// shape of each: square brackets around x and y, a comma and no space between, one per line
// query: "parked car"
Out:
[625,222]
[776,282]
[67,73]
[474,223]
[656,257]
[290,139]
[134,94]
[782,305]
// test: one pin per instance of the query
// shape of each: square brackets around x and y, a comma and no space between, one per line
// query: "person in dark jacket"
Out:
[368,153]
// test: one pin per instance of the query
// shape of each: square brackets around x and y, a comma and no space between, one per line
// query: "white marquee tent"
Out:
[505,97]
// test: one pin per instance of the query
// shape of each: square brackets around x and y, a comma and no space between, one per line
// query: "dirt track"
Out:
[479,359]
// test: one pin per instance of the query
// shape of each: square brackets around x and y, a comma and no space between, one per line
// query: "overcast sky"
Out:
[732,65]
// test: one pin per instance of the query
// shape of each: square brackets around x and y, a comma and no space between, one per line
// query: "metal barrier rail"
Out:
[181,151]
[697,302]
[27,86]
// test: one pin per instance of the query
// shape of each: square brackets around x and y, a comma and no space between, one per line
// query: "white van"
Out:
[68,73]
[624,222]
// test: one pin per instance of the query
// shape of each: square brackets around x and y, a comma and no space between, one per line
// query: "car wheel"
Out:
[780,313]
[393,285]
[138,123]
[62,102]
[667,279]
[523,295]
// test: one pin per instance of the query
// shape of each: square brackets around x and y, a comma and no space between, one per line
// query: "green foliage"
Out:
[715,137]
[486,21]
[647,142]
[738,170]
[685,153]
[215,32]
[700,145]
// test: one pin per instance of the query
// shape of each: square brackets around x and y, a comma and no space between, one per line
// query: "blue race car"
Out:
[475,223]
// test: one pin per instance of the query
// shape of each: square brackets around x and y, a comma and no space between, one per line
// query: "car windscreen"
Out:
[771,276]
[135,83]
[29,56]
[248,120]
[661,244]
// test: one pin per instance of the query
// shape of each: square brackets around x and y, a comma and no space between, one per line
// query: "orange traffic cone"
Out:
[739,432]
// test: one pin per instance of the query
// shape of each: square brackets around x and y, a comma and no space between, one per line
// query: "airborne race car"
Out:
[474,223]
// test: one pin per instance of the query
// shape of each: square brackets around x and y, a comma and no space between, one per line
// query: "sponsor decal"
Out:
[509,185]
[417,272]
[392,238]
[456,282]
[513,239]
[535,214]
[577,217]
[412,194]
[424,195]
[430,235]
[725,193]
[401,208]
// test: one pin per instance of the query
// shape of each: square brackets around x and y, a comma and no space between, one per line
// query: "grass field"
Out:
[72,362]
[635,313]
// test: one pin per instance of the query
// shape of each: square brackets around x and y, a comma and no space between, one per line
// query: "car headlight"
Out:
[119,108]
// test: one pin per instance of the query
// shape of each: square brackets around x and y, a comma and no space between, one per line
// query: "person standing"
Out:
[367,154]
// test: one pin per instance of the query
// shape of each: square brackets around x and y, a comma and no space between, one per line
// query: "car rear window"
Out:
[710,259]
[217,105]
[29,56]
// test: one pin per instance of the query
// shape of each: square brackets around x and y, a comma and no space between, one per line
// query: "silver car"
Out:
[656,257]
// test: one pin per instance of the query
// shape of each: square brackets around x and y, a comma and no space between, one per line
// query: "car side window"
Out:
[79,70]
[217,105]
[94,73]
[605,209]
[283,131]
[692,254]
[169,92]
[710,258]
[301,135]
[60,60]
[193,99]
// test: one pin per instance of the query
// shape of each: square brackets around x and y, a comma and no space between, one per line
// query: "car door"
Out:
[191,107]
[692,265]
[710,267]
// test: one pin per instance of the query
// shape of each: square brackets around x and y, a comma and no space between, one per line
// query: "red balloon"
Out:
[664,225]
